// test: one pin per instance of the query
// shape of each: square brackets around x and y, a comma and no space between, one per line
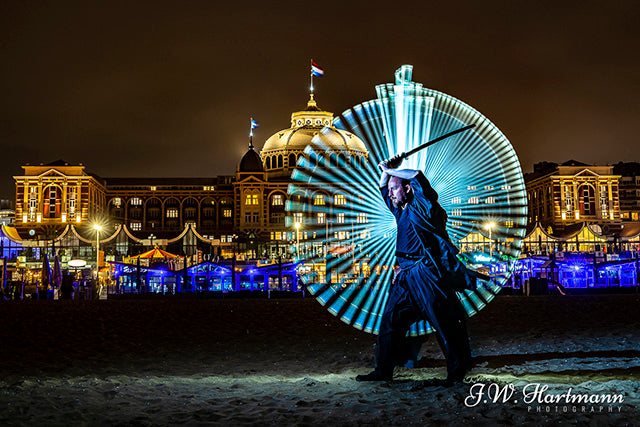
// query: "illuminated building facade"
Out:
[240,215]
[56,194]
[573,192]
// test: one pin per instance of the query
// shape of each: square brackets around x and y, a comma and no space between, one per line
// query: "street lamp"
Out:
[98,229]
[297,225]
[489,226]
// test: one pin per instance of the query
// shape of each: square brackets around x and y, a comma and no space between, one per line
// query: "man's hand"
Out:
[392,163]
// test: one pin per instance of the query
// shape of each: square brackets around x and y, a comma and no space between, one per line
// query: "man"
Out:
[429,273]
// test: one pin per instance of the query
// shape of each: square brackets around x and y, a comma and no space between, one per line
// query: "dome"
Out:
[305,125]
[251,162]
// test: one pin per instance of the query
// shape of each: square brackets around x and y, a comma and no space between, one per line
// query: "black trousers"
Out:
[444,314]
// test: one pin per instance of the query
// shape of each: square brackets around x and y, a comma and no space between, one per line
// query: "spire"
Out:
[311,105]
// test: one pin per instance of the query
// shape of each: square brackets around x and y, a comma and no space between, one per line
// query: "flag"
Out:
[254,124]
[316,70]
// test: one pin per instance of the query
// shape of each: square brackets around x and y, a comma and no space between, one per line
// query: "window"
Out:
[318,200]
[71,201]
[251,217]
[208,188]
[362,218]
[116,201]
[277,200]
[488,187]
[136,226]
[473,200]
[172,213]
[456,212]
[297,217]
[226,213]
[340,218]
[251,199]
[53,193]
[471,187]
[153,188]
[136,201]
[490,199]
[505,187]
[340,199]
[456,200]
[33,203]
[320,218]
[604,201]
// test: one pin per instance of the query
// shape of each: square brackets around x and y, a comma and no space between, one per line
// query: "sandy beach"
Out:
[196,361]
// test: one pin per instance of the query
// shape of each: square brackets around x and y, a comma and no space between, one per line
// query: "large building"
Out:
[571,193]
[242,214]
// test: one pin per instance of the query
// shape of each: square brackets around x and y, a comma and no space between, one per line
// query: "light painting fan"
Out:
[348,246]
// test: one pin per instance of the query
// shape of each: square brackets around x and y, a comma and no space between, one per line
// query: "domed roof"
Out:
[251,162]
[305,125]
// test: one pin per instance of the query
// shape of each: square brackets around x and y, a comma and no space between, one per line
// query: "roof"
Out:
[175,182]
[631,229]
[156,253]
[251,162]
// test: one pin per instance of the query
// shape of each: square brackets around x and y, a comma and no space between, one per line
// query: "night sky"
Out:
[167,88]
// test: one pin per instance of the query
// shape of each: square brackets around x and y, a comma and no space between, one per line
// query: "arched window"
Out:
[52,199]
[268,162]
[292,160]
[280,161]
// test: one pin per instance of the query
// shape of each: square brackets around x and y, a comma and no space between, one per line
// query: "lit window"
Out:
[471,187]
[251,199]
[505,187]
[473,200]
[318,200]
[116,201]
[362,218]
[340,200]
[320,217]
[488,187]
[208,188]
[277,200]
[456,212]
[33,203]
[456,200]
[172,213]
[297,217]
[226,213]
[136,201]
[490,199]
[71,201]
[136,226]
[153,188]
[340,218]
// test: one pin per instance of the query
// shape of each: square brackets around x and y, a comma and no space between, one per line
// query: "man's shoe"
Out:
[374,376]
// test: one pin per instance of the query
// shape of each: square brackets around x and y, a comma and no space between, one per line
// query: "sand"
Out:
[194,361]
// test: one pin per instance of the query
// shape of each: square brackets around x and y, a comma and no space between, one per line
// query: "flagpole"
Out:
[251,132]
[311,70]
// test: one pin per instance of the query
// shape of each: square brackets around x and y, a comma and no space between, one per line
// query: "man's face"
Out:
[398,194]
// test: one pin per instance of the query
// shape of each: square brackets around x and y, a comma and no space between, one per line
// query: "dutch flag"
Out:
[316,70]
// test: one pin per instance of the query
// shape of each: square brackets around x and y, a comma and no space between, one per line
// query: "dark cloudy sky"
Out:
[166,88]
